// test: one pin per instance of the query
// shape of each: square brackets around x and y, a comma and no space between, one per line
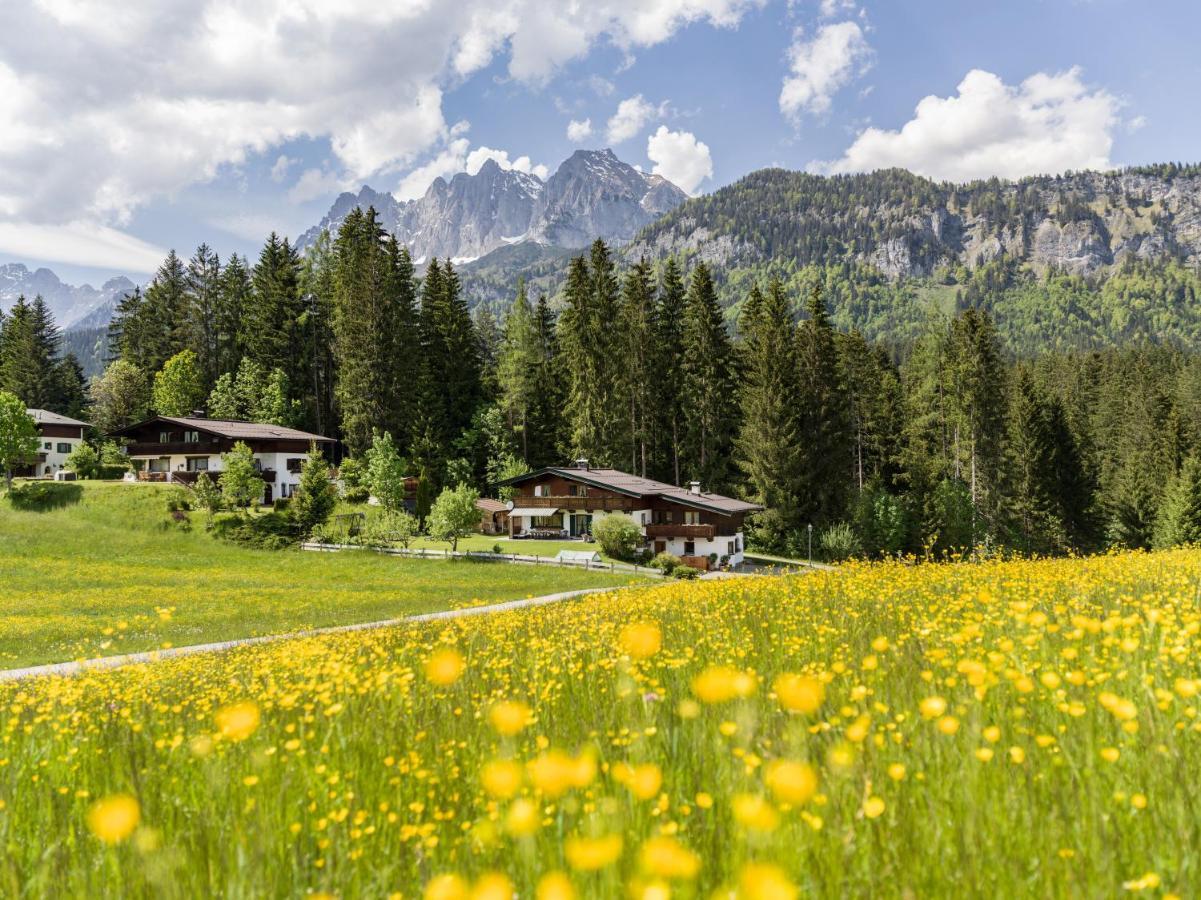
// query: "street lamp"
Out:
[811,545]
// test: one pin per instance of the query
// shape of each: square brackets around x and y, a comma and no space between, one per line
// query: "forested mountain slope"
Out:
[1082,259]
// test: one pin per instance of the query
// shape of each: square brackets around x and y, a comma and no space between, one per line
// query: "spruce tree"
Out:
[707,387]
[638,350]
[768,447]
[161,326]
[517,369]
[824,420]
[1032,505]
[20,368]
[203,284]
[234,298]
[545,420]
[584,336]
[668,383]
[1179,518]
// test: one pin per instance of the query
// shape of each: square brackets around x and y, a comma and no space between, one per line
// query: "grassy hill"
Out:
[100,576]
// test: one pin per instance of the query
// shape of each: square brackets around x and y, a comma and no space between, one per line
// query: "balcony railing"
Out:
[588,503]
[174,448]
[705,532]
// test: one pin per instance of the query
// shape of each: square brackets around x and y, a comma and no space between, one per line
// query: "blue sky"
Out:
[253,115]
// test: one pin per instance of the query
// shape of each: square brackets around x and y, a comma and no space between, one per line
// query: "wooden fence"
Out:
[488,556]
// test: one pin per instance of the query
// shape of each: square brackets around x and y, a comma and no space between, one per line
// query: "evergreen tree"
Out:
[517,368]
[668,383]
[1179,519]
[707,387]
[824,420]
[271,324]
[768,447]
[204,296]
[71,398]
[490,339]
[1032,507]
[234,298]
[638,350]
[21,370]
[315,496]
[545,420]
[161,322]
[317,280]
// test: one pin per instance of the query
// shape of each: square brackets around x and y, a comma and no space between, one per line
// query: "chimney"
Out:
[198,414]
[694,487]
[582,463]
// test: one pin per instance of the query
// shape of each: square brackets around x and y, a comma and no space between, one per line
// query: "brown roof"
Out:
[237,430]
[635,486]
[45,417]
[487,504]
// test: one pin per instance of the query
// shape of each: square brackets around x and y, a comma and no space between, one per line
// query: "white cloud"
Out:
[1138,123]
[314,183]
[633,114]
[831,8]
[477,157]
[1047,124]
[821,67]
[94,126]
[680,158]
[279,170]
[578,132]
[81,243]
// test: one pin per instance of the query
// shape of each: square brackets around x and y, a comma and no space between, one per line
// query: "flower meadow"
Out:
[1007,728]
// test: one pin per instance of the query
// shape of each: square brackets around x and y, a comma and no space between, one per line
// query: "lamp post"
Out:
[810,545]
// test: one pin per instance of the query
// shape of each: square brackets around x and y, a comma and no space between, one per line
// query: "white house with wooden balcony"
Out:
[700,527]
[180,448]
[58,436]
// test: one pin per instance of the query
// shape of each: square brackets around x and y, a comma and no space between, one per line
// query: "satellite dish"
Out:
[509,506]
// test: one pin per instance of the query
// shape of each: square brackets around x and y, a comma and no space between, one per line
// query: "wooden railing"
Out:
[589,503]
[673,530]
[174,448]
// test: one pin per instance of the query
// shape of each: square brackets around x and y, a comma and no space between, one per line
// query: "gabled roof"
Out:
[635,486]
[233,429]
[488,505]
[45,417]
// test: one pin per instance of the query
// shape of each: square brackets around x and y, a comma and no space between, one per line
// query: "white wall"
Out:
[54,459]
[285,482]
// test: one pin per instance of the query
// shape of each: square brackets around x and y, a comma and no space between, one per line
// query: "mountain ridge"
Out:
[69,303]
[592,194]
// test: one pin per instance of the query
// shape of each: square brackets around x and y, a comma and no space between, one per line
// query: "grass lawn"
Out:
[485,542]
[100,577]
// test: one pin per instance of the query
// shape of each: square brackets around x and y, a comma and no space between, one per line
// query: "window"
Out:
[198,463]
[571,490]
[164,437]
[46,446]
[64,448]
[191,437]
[690,548]
[577,490]
[646,518]
[295,463]
[162,464]
[692,517]
[285,489]
[540,490]
[729,548]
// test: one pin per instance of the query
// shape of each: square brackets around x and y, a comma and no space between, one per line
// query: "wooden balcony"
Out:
[705,532]
[175,448]
[604,504]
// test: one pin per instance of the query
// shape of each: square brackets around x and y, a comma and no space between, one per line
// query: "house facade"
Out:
[494,516]
[700,527]
[180,448]
[59,436]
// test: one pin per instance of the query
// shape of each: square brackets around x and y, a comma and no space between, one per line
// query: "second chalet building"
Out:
[179,448]
[59,436]
[685,521]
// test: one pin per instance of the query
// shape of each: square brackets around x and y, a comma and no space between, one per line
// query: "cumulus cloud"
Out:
[633,114]
[577,132]
[279,169]
[680,158]
[821,67]
[94,125]
[1047,124]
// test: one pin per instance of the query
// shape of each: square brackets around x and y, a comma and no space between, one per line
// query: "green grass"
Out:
[100,576]
[485,542]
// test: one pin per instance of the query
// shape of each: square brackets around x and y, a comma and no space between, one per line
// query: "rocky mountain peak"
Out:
[592,194]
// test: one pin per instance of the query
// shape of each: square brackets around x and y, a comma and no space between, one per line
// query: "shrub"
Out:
[281,504]
[353,475]
[618,535]
[667,562]
[315,497]
[686,573]
[39,496]
[839,542]
[178,500]
[357,494]
[84,461]
[272,531]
